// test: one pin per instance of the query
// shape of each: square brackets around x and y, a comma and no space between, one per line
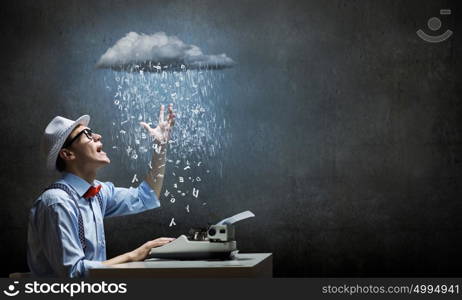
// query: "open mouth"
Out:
[99,148]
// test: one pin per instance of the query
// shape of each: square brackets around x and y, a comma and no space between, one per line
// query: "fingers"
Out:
[164,239]
[161,114]
[146,126]
[171,115]
[159,242]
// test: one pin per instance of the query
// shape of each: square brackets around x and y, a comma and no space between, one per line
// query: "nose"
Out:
[97,137]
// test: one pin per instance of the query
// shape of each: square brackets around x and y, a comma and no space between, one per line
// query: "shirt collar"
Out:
[78,184]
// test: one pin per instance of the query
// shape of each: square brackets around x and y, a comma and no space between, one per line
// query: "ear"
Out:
[66,154]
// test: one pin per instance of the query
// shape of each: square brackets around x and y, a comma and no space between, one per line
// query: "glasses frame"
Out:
[87,131]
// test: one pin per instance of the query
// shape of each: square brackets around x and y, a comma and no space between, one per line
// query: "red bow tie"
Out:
[92,191]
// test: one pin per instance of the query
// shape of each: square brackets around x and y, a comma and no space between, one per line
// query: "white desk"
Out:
[243,265]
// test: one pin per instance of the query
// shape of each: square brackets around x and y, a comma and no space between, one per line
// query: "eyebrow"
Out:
[70,140]
[78,131]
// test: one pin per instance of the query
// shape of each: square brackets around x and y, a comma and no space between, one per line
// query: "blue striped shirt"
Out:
[54,248]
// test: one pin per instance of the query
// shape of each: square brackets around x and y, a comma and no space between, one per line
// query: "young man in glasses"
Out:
[66,232]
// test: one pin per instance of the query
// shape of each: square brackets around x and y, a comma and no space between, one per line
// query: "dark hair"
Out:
[60,164]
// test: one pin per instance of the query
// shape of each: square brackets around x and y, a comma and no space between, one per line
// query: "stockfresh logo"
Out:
[70,289]
[11,291]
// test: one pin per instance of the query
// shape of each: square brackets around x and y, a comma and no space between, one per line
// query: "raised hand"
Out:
[162,132]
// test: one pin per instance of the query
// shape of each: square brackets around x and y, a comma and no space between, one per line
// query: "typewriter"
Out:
[215,242]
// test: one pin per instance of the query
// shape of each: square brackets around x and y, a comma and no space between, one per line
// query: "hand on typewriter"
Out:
[142,252]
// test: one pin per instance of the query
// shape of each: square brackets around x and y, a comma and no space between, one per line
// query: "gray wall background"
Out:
[346,131]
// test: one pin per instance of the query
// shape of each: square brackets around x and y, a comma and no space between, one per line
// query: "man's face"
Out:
[88,151]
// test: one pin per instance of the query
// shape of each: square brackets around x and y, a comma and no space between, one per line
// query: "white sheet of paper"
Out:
[236,218]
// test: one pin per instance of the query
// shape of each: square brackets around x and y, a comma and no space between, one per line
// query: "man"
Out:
[66,232]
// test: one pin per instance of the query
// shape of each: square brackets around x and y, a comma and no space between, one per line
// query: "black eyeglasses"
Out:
[86,131]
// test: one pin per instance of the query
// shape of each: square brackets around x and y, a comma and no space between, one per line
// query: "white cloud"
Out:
[152,52]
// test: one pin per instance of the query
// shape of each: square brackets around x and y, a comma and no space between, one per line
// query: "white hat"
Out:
[56,134]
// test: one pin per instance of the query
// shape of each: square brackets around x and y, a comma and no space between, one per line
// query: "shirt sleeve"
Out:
[62,246]
[118,201]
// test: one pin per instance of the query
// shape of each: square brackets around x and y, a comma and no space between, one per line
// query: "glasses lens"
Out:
[88,133]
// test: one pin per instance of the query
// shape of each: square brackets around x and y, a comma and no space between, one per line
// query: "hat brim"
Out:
[53,154]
